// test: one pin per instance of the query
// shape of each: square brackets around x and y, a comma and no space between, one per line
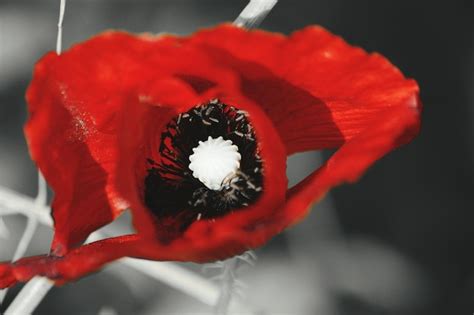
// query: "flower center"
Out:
[207,164]
[215,162]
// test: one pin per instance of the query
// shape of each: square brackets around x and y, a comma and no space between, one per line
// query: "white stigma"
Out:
[214,161]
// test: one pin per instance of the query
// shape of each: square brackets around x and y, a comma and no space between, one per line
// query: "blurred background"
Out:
[400,241]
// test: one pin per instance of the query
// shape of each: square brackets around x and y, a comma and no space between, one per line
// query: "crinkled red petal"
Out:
[308,91]
[75,149]
[73,102]
[318,90]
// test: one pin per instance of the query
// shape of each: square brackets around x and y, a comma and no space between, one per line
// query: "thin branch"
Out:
[254,13]
[4,231]
[26,238]
[59,39]
[42,195]
[24,205]
[31,225]
[32,221]
[30,296]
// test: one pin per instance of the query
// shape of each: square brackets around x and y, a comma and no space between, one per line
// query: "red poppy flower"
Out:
[192,134]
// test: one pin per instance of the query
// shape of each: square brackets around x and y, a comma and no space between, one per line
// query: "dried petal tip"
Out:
[214,162]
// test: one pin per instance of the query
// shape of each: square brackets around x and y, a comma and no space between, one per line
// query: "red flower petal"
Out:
[112,96]
[318,90]
[71,137]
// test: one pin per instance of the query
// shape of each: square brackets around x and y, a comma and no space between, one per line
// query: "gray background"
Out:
[398,242]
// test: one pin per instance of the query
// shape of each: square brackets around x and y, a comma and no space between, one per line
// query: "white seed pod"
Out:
[214,161]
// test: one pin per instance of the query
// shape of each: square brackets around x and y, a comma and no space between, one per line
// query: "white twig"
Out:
[25,240]
[15,202]
[42,195]
[59,39]
[31,225]
[4,231]
[254,13]
[32,221]
[30,296]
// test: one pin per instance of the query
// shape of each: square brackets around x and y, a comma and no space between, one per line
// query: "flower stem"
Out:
[228,281]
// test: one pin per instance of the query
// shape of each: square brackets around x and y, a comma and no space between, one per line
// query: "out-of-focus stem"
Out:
[30,296]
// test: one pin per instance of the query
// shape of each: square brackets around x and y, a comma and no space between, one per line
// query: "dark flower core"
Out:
[171,190]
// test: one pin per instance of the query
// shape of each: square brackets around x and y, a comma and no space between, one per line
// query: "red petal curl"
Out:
[73,101]
[318,90]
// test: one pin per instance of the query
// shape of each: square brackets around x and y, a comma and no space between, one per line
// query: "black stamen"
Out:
[170,188]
